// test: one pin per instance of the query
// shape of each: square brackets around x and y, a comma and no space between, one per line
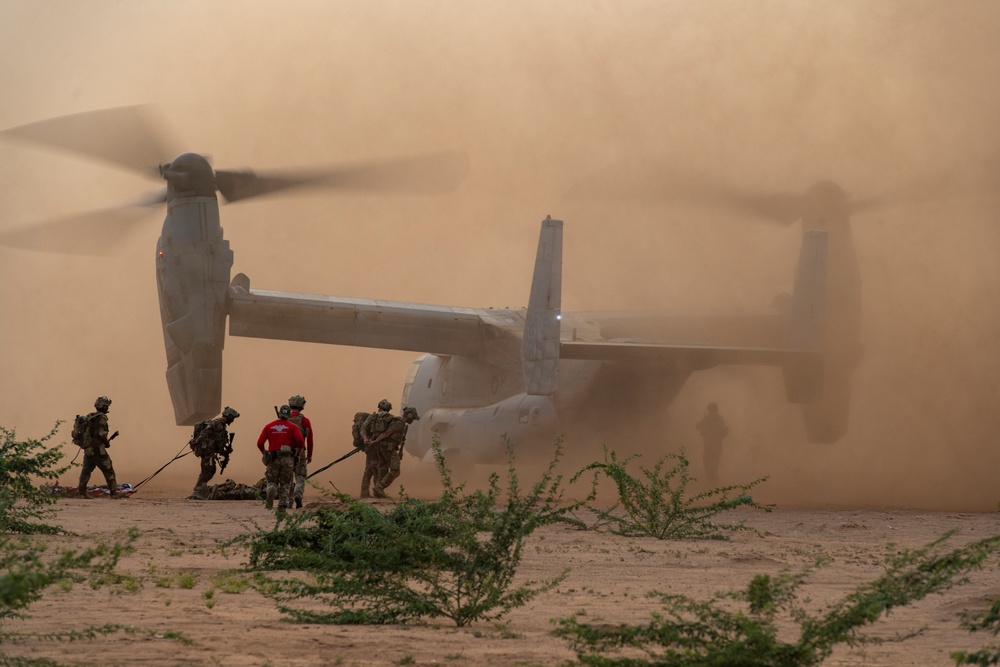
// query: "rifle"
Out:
[113,436]
[225,454]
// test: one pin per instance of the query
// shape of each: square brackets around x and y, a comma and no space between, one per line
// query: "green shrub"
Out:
[23,464]
[656,504]
[742,627]
[973,622]
[454,557]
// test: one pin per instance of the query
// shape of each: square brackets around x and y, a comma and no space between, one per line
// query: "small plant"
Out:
[230,582]
[22,464]
[742,627]
[455,557]
[974,622]
[26,575]
[186,580]
[656,504]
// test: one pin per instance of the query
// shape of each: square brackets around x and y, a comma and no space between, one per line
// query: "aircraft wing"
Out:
[693,357]
[392,325]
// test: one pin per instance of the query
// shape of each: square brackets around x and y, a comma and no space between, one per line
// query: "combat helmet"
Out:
[411,411]
[296,402]
[229,414]
[102,403]
[284,412]
[385,405]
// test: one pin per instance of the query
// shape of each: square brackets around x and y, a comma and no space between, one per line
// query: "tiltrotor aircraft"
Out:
[483,373]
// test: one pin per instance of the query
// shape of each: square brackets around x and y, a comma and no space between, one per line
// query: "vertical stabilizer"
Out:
[540,346]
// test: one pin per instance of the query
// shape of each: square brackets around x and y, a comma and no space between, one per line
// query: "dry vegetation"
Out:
[181,584]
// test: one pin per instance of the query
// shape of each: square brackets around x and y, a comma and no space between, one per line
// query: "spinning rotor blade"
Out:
[423,174]
[123,136]
[94,233]
[645,180]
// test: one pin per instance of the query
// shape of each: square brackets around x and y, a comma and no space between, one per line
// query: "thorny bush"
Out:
[656,503]
[454,557]
[23,464]
[742,627]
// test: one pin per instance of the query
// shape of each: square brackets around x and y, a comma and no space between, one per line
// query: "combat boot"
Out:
[272,492]
[298,503]
[379,492]
[83,493]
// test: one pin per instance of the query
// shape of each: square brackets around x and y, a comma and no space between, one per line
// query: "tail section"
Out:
[540,345]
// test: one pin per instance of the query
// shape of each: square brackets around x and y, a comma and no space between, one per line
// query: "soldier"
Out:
[212,441]
[713,431]
[371,460]
[390,447]
[376,466]
[95,452]
[284,445]
[297,403]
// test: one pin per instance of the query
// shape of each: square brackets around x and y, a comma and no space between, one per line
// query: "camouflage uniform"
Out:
[95,453]
[230,490]
[280,476]
[212,442]
[296,404]
[371,458]
[390,449]
[376,463]
[284,446]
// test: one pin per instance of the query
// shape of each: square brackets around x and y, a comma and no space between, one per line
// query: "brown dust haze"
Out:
[890,99]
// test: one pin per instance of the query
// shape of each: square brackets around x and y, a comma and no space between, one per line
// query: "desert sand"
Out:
[607,582]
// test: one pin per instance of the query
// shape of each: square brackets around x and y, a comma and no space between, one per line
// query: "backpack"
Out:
[80,435]
[359,421]
[198,428]
[193,442]
[380,422]
[297,420]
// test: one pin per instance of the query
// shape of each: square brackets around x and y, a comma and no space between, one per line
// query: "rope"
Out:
[350,453]
[178,455]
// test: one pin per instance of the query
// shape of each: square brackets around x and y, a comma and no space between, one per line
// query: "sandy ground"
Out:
[607,582]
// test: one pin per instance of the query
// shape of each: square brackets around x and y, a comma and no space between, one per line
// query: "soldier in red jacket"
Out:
[285,445]
[296,403]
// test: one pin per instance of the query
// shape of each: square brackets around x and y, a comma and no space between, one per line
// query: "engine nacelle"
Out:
[478,434]
[193,264]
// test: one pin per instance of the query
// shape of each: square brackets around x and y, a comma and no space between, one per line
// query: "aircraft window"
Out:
[444,386]
[429,381]
[495,384]
[406,392]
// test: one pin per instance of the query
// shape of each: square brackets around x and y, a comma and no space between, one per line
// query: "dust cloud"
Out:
[892,99]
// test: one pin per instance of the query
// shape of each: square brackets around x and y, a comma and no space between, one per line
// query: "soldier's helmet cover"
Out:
[102,403]
[411,411]
[296,402]
[229,413]
[284,412]
[384,404]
